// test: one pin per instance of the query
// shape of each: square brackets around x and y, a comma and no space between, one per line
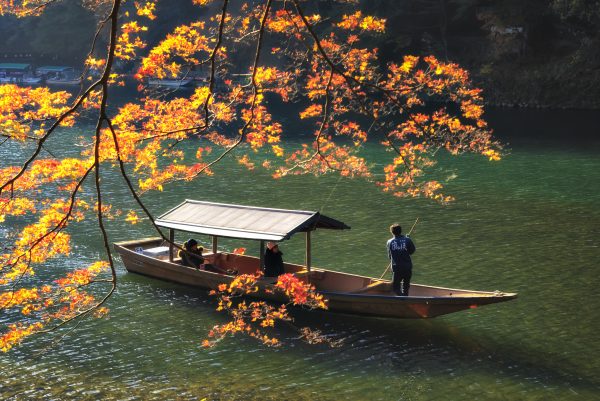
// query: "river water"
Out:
[528,224]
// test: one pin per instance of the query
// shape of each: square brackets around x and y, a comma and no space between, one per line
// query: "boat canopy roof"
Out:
[14,66]
[248,222]
[54,68]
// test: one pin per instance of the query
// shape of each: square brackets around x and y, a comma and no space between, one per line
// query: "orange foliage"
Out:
[129,41]
[254,318]
[24,112]
[324,71]
[64,300]
[185,43]
[366,23]
[132,217]
[146,9]
[23,8]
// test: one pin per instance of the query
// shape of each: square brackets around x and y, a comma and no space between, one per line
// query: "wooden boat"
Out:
[18,73]
[60,75]
[347,293]
[171,83]
[31,80]
[23,80]
[64,81]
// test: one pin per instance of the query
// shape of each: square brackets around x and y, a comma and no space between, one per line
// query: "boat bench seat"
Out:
[374,286]
[312,275]
[303,272]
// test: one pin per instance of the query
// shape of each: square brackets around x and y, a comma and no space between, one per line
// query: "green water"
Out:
[528,224]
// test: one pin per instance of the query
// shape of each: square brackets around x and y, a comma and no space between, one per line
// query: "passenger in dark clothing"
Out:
[273,260]
[399,250]
[191,256]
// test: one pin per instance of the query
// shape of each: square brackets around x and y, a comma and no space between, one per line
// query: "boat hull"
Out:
[346,293]
[171,83]
[76,81]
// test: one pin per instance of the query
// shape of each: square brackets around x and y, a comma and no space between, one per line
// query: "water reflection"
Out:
[527,224]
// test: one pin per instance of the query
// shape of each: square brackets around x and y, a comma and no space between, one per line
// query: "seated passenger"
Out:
[273,260]
[191,256]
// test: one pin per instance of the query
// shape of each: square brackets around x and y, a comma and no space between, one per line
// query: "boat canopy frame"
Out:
[244,222]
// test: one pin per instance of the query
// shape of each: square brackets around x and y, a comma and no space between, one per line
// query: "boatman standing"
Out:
[399,250]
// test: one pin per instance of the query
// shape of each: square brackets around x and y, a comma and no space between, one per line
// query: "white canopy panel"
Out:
[238,221]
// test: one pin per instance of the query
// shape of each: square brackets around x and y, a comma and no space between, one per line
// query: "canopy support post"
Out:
[262,255]
[214,244]
[171,242]
[308,255]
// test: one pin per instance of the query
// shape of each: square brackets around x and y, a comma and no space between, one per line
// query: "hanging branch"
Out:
[244,129]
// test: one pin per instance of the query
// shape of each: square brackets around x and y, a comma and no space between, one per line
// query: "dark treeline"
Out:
[534,53]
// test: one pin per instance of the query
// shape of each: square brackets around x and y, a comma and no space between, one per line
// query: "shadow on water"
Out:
[430,340]
[400,346]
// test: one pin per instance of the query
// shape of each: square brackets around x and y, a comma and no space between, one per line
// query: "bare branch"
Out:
[213,57]
[244,129]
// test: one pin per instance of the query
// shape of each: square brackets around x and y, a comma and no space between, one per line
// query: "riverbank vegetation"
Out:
[534,53]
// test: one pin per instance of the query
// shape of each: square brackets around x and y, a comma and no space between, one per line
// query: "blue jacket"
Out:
[399,251]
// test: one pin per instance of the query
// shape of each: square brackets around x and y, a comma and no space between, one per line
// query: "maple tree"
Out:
[245,58]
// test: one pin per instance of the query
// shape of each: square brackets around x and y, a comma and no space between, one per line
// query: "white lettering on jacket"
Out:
[398,246]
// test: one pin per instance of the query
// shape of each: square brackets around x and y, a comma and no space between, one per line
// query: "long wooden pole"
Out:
[386,270]
[413,226]
[308,253]
[214,244]
[171,242]
[262,255]
[390,264]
